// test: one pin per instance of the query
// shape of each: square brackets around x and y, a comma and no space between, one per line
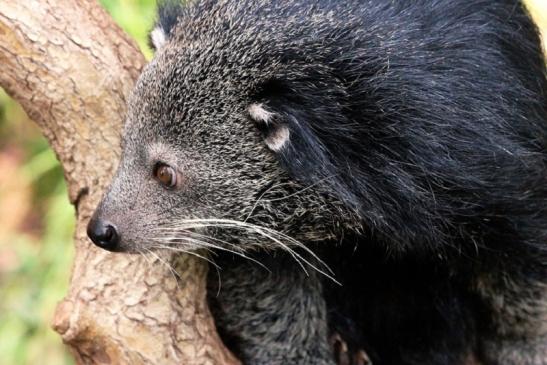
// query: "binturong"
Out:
[370,176]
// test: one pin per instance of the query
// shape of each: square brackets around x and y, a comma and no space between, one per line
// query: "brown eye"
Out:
[166,175]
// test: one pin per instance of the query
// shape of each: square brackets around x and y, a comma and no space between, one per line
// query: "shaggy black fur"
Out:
[428,120]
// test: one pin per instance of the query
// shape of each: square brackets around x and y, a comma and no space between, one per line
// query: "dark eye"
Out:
[166,175]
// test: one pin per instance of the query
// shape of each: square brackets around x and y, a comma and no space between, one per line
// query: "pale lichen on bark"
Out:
[71,68]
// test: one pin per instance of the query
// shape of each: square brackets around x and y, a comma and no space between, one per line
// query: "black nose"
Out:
[103,234]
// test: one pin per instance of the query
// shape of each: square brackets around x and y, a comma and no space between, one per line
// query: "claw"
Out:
[339,349]
[361,358]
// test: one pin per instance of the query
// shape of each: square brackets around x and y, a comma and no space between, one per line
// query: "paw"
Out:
[344,356]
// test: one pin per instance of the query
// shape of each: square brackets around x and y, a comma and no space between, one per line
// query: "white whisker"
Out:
[217,268]
[176,249]
[261,196]
[202,243]
[299,191]
[149,263]
[271,234]
[228,223]
[175,274]
[284,197]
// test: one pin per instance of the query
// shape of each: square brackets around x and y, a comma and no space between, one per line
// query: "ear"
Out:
[314,141]
[168,14]
[276,134]
[158,37]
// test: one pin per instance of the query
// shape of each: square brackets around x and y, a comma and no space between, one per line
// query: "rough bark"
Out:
[71,68]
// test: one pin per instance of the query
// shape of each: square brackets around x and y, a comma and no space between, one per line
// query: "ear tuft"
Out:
[259,114]
[158,37]
[277,138]
[276,135]
[168,13]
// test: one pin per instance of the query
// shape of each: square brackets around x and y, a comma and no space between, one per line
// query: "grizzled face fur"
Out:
[313,118]
[199,152]
[201,149]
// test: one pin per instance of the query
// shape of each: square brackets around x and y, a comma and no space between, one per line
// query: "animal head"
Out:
[262,124]
[201,152]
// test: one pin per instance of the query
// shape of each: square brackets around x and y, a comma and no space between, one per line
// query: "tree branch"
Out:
[71,68]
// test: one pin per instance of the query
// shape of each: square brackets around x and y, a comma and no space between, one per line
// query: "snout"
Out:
[103,234]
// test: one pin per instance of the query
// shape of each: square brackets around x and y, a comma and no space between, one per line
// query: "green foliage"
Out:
[136,17]
[38,277]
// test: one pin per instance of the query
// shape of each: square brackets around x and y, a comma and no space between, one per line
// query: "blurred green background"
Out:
[37,222]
